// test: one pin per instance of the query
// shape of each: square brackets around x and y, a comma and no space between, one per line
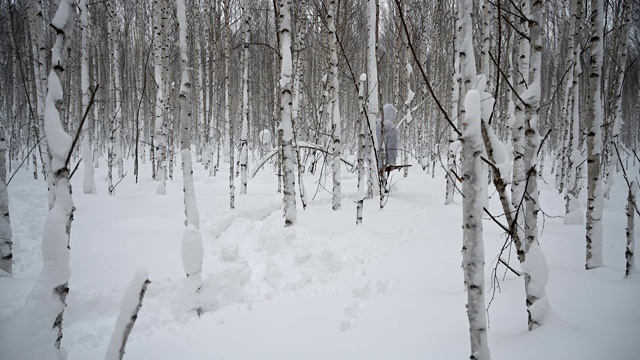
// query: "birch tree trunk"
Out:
[517,132]
[372,91]
[617,112]
[36,24]
[6,244]
[455,99]
[595,198]
[473,199]
[192,248]
[286,72]
[47,300]
[334,90]
[535,265]
[244,133]
[227,102]
[574,157]
[630,267]
[159,140]
[362,191]
[88,183]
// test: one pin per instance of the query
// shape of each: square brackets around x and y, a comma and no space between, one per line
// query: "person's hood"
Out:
[390,112]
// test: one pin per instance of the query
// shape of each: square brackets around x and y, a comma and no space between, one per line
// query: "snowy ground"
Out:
[323,289]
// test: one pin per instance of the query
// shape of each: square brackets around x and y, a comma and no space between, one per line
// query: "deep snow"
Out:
[322,289]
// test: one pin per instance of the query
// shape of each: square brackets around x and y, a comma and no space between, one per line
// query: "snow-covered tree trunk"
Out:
[455,99]
[244,133]
[299,71]
[6,244]
[117,144]
[47,301]
[88,182]
[575,159]
[362,191]
[565,110]
[286,72]
[534,266]
[192,249]
[334,90]
[158,137]
[630,267]
[372,91]
[473,246]
[36,24]
[595,198]
[517,132]
[227,102]
[617,112]
[131,304]
[473,198]
[408,118]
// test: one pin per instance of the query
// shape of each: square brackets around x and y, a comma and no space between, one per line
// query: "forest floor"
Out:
[325,288]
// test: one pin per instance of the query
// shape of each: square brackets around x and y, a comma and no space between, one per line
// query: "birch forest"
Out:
[521,119]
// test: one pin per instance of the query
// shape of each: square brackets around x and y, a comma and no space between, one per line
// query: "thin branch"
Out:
[422,72]
[84,117]
[25,159]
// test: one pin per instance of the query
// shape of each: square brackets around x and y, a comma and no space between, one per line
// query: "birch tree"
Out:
[595,198]
[535,265]
[372,92]
[227,100]
[47,301]
[620,68]
[6,244]
[158,138]
[574,157]
[88,182]
[286,74]
[244,132]
[334,91]
[36,24]
[630,267]
[473,200]
[192,249]
[455,98]
[362,192]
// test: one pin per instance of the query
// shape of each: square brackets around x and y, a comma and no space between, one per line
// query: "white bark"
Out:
[473,199]
[131,304]
[630,267]
[88,182]
[455,98]
[617,112]
[595,198]
[535,266]
[192,249]
[47,301]
[36,24]
[517,132]
[244,133]
[372,91]
[288,164]
[159,140]
[6,244]
[361,151]
[334,90]
[227,99]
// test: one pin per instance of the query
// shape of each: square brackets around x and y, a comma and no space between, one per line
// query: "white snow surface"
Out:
[324,288]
